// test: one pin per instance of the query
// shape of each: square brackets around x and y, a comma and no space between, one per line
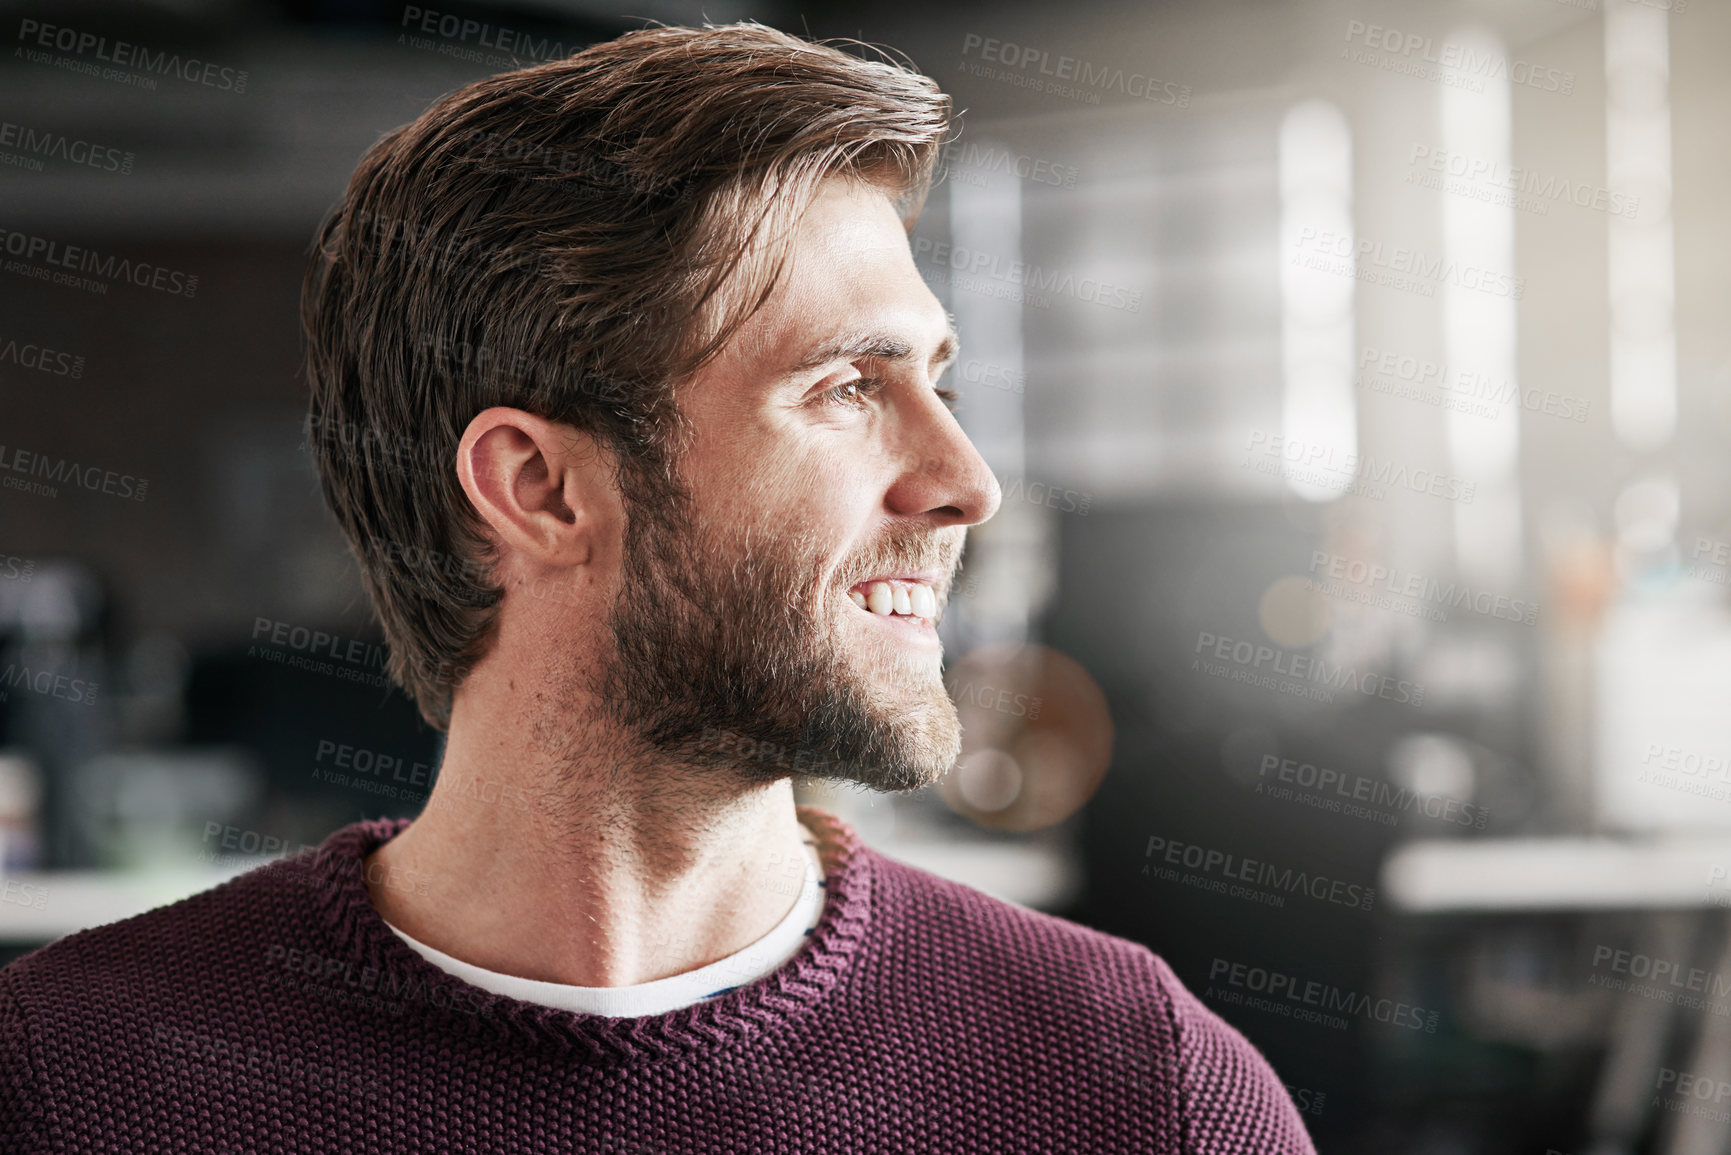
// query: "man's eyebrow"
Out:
[875,346]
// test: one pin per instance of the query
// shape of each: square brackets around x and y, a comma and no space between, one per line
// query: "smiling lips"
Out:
[896,598]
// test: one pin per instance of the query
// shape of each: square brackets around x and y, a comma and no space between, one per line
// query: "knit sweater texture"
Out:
[277,1013]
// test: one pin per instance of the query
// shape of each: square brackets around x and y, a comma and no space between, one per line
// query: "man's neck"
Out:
[591,870]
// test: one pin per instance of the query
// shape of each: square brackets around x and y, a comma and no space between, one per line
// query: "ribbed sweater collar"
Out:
[774,1003]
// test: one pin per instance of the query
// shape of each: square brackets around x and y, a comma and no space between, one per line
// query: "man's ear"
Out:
[544,488]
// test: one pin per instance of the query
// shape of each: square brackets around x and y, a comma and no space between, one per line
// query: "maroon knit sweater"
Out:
[277,1013]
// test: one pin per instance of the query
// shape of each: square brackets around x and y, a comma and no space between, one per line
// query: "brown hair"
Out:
[557,239]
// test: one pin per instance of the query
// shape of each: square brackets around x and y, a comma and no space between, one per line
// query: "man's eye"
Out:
[855,393]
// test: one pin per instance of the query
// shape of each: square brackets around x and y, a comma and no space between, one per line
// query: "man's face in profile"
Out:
[823,463]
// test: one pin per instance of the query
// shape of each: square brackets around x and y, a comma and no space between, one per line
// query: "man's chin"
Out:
[897,777]
[899,746]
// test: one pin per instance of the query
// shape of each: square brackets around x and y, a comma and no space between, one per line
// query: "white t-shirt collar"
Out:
[744,966]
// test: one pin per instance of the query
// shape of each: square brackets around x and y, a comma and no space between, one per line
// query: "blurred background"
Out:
[1354,631]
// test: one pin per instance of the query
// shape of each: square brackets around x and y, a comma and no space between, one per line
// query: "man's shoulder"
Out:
[167,953]
[99,1020]
[1152,1027]
[1012,938]
[1231,1097]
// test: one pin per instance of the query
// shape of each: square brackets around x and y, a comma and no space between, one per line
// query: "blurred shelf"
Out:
[1038,875]
[43,906]
[1537,874]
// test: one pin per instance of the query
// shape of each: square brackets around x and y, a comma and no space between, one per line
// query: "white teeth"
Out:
[907,599]
[879,599]
[925,602]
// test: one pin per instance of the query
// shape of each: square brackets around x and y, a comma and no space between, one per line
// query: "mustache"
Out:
[912,550]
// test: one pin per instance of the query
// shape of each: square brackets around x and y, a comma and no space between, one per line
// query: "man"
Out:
[624,387]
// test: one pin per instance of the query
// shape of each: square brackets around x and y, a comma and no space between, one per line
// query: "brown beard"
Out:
[720,660]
